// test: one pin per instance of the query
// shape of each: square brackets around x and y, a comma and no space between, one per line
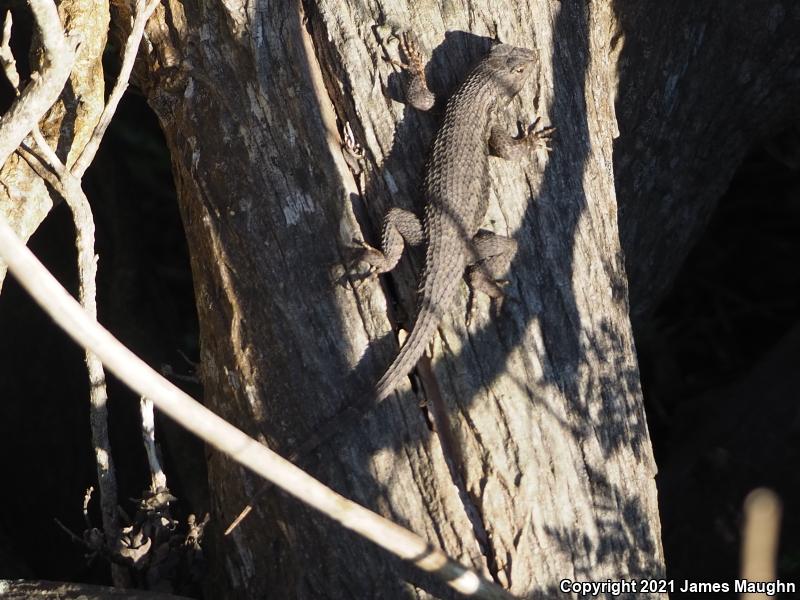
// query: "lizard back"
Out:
[456,193]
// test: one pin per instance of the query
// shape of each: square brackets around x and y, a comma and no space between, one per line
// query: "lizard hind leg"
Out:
[491,257]
[400,227]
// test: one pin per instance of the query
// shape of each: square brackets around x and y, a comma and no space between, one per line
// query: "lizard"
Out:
[455,190]
[456,197]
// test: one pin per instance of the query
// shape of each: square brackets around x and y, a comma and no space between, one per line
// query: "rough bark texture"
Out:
[24,198]
[701,83]
[550,473]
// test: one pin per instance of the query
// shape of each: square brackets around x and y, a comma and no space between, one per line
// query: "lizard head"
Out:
[511,66]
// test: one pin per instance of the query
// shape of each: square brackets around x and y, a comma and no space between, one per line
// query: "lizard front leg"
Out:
[503,145]
[491,254]
[417,93]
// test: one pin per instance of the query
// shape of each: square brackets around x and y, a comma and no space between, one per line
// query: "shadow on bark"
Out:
[544,262]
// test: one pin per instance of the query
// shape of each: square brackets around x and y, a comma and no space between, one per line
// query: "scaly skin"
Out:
[456,195]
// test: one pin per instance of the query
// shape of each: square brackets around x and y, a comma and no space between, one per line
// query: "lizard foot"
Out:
[363,253]
[538,137]
[414,62]
[503,145]
[494,288]
[417,92]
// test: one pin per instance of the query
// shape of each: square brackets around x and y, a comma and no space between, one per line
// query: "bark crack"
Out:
[454,459]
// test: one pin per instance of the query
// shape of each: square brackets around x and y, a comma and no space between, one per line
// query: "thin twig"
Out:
[192,415]
[75,538]
[37,98]
[158,480]
[38,163]
[7,61]
[87,498]
[98,394]
[70,188]
[142,13]
[50,157]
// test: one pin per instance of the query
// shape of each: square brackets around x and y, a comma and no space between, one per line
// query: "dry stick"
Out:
[98,395]
[762,512]
[44,90]
[68,314]
[70,189]
[73,194]
[158,480]
[7,61]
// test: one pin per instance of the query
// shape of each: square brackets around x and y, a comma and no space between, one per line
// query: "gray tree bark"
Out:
[531,459]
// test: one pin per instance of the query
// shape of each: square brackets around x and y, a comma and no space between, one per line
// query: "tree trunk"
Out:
[538,465]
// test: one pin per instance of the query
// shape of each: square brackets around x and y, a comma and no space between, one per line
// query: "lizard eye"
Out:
[518,69]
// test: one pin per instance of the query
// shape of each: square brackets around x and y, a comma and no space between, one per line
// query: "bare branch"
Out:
[44,89]
[38,162]
[70,189]
[760,536]
[192,415]
[142,13]
[48,157]
[98,394]
[158,480]
[75,538]
[7,61]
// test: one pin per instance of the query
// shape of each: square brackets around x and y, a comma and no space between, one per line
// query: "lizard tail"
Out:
[434,303]
[410,353]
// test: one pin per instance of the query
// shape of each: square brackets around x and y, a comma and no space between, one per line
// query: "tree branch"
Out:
[192,415]
[69,186]
[142,13]
[45,88]
[760,538]
[158,479]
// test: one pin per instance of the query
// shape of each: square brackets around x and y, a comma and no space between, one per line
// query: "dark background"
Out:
[720,362]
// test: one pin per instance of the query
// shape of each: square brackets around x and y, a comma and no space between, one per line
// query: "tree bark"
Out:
[25,200]
[538,467]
